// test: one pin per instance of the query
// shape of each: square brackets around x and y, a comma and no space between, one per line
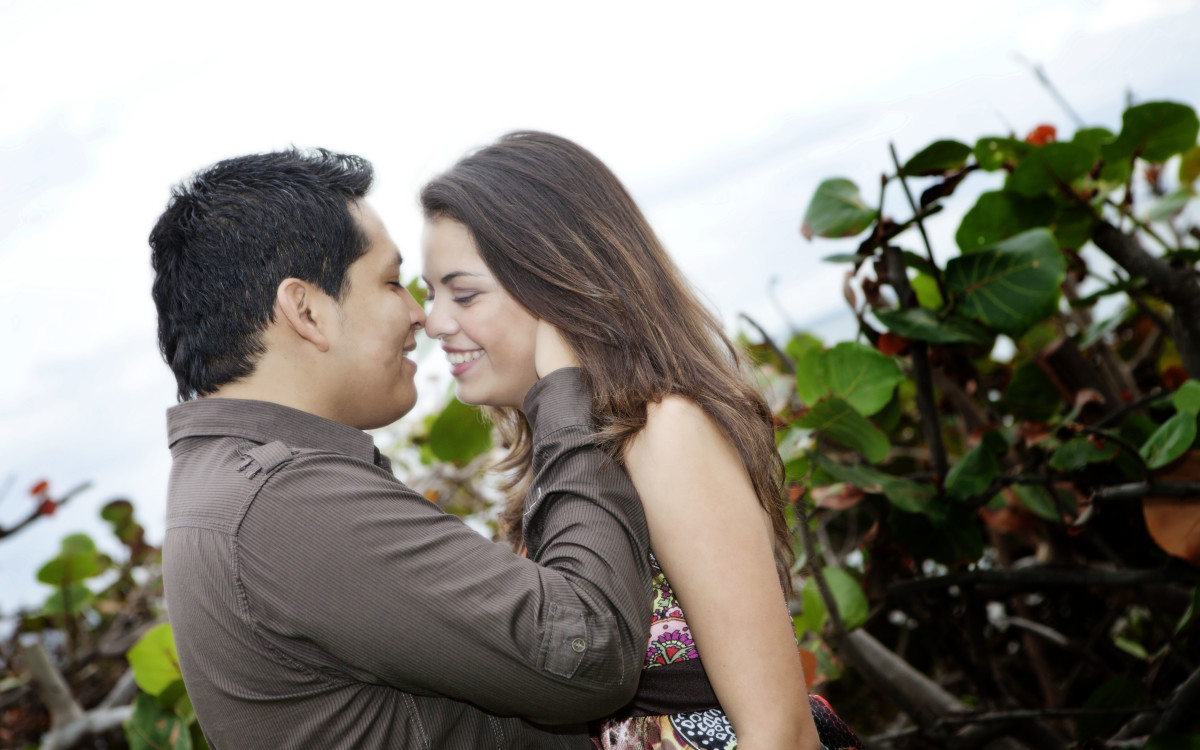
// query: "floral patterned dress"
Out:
[671,643]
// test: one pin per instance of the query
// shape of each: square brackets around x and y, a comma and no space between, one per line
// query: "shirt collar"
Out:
[265,422]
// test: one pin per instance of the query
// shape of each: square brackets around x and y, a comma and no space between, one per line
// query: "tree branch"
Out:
[1035,578]
[1181,290]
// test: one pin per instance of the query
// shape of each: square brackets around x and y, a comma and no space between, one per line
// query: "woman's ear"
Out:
[306,310]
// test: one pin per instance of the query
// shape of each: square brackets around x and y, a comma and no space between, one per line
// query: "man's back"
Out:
[317,602]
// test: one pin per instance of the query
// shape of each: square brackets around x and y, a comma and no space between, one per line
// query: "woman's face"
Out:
[487,336]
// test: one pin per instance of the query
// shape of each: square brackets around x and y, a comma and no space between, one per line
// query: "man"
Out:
[316,601]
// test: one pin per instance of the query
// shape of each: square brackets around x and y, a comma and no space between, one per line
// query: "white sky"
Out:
[721,122]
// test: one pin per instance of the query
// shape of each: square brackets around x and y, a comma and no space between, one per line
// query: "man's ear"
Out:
[306,310]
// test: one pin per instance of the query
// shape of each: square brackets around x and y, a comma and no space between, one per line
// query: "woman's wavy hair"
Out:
[565,239]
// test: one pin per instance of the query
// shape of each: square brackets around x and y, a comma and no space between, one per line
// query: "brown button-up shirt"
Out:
[318,602]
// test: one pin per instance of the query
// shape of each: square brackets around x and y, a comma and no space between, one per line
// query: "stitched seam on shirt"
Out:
[497,731]
[426,740]
[244,602]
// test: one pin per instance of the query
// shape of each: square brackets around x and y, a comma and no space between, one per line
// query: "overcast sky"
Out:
[720,121]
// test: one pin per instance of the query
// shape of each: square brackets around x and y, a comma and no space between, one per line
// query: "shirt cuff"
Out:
[558,400]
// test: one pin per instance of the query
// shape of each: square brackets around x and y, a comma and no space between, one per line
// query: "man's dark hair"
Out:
[229,236]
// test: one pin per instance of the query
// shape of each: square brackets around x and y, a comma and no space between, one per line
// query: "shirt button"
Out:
[578,645]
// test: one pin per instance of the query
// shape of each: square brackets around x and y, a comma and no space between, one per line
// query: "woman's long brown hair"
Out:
[565,239]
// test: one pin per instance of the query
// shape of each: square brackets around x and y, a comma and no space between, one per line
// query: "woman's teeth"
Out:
[458,358]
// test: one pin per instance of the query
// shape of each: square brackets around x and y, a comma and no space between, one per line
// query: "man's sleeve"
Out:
[346,571]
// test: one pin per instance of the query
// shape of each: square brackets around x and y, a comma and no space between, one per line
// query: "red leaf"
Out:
[809,661]
[837,496]
[1041,135]
[806,230]
[40,488]
[1174,522]
[47,507]
[892,344]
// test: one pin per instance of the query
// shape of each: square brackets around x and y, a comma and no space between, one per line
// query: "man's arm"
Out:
[346,570]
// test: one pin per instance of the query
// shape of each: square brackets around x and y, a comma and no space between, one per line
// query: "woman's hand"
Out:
[551,351]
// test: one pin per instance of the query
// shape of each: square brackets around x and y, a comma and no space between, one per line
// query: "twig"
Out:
[1182,708]
[51,686]
[1058,97]
[1041,713]
[788,365]
[917,217]
[1148,489]
[922,372]
[37,513]
[1036,578]
[1132,406]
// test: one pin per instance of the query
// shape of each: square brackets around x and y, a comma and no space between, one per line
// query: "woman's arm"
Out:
[715,544]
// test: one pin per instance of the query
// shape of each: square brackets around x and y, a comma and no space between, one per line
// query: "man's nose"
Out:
[417,316]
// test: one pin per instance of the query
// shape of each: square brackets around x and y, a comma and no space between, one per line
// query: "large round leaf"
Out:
[840,422]
[77,562]
[460,433]
[154,660]
[937,158]
[1155,131]
[905,494]
[1013,285]
[999,215]
[1045,168]
[924,325]
[153,727]
[837,210]
[862,376]
[1187,398]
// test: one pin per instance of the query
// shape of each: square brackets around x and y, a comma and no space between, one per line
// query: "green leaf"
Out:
[154,660]
[1171,440]
[1039,500]
[837,210]
[1012,286]
[813,613]
[1044,168]
[152,727]
[840,422]
[999,215]
[937,158]
[973,473]
[993,153]
[1189,166]
[861,375]
[71,599]
[1093,139]
[1131,647]
[1031,395]
[905,494]
[1121,692]
[797,469]
[1166,206]
[1188,617]
[460,433]
[77,561]
[1078,452]
[851,601]
[926,289]
[1073,225]
[924,325]
[799,346]
[1154,131]
[1187,398]
[418,290]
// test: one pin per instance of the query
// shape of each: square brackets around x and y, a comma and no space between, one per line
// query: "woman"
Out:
[535,228]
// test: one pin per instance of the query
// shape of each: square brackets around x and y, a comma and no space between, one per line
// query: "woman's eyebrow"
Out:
[455,274]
